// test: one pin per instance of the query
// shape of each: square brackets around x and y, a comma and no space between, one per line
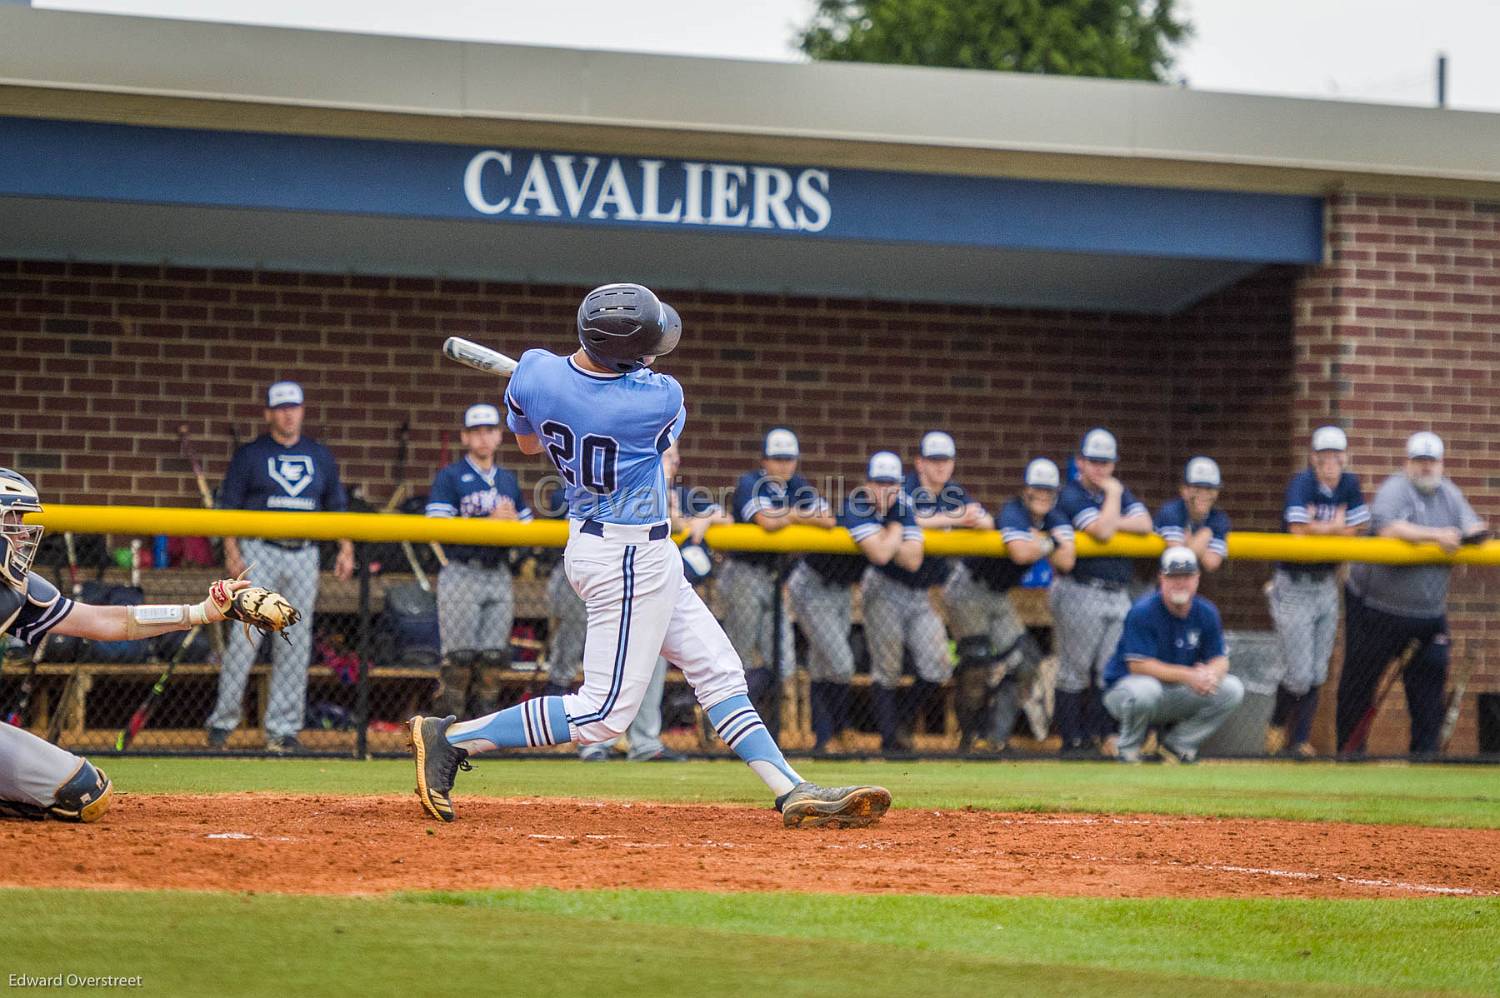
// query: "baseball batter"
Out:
[476,605]
[37,779]
[604,420]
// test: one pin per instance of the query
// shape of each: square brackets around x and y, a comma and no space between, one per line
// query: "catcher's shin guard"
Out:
[85,796]
[454,678]
[976,660]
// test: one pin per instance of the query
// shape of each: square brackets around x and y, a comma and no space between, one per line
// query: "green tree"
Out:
[1122,39]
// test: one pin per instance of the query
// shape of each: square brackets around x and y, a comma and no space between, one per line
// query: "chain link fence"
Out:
[843,663]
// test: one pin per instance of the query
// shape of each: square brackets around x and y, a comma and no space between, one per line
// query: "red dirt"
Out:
[349,845]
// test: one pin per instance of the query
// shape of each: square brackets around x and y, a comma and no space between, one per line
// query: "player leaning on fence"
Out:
[476,605]
[1323,500]
[1389,606]
[1089,603]
[38,779]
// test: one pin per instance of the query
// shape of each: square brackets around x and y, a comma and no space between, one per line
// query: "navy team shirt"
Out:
[605,433]
[756,492]
[1153,631]
[303,477]
[1016,523]
[1081,507]
[951,498]
[462,489]
[1174,524]
[862,519]
[1309,500]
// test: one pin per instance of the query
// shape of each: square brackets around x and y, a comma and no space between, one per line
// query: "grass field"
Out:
[655,942]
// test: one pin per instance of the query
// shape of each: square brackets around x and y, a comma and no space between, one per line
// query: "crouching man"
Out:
[1170,669]
[37,779]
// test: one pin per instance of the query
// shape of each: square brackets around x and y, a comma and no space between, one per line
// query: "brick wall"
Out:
[109,359]
[1401,332]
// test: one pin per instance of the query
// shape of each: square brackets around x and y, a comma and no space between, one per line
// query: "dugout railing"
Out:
[468,615]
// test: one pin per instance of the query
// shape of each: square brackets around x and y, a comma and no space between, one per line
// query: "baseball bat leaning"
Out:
[215,634]
[1455,703]
[403,441]
[143,712]
[478,357]
[1361,733]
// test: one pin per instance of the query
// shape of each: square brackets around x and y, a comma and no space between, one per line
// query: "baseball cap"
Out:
[1425,444]
[1329,438]
[1202,471]
[482,414]
[938,444]
[283,393]
[1099,445]
[1179,561]
[781,443]
[885,467]
[1042,474]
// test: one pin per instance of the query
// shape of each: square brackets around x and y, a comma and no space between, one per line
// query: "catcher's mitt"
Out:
[260,608]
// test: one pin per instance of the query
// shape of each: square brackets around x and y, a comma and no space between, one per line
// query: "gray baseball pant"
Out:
[748,593]
[32,768]
[1138,702]
[899,616]
[1306,617]
[824,610]
[294,574]
[1087,623]
[476,607]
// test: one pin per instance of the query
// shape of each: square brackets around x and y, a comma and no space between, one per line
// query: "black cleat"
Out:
[808,805]
[438,763]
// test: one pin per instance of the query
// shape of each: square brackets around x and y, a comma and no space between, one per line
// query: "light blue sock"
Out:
[740,726]
[534,722]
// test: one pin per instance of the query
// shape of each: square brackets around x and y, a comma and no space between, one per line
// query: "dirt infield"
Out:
[344,845]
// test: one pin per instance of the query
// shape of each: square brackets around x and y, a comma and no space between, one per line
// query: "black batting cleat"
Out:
[84,797]
[438,763]
[808,805]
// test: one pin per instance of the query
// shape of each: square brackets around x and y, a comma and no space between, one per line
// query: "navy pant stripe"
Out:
[627,570]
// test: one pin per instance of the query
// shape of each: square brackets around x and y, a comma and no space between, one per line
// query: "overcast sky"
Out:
[1376,50]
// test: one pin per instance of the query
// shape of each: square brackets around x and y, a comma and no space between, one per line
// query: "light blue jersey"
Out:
[604,432]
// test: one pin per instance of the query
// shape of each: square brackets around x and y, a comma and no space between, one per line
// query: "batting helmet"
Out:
[17,498]
[620,325]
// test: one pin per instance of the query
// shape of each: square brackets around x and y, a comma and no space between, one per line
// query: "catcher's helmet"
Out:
[620,325]
[17,498]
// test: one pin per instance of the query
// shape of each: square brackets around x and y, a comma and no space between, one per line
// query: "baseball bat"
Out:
[215,635]
[1361,733]
[403,441]
[437,549]
[480,358]
[1455,703]
[143,712]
